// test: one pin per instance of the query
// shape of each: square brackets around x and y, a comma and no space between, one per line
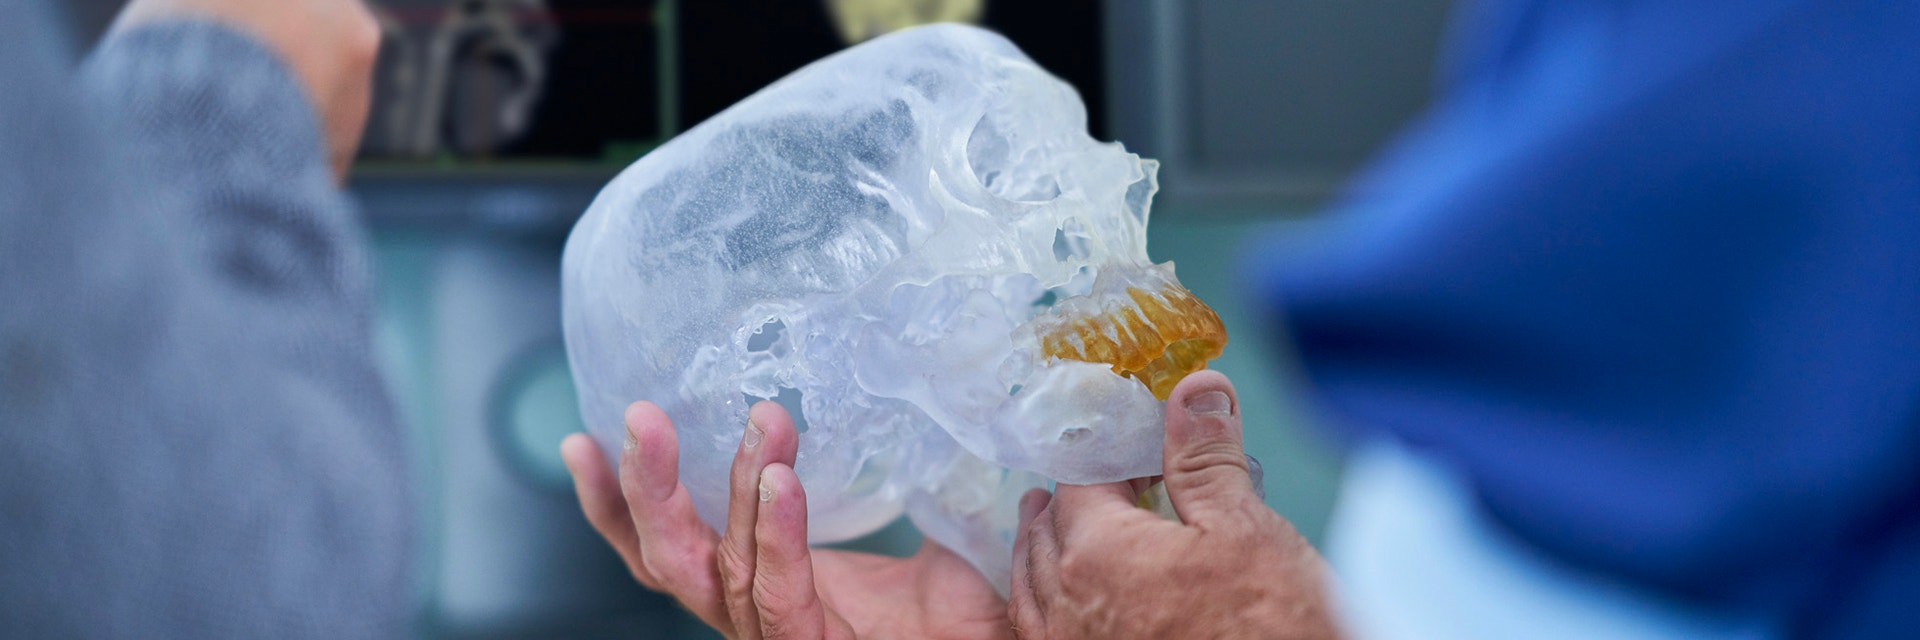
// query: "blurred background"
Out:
[495,122]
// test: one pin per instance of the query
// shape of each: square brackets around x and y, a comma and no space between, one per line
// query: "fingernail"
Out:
[766,490]
[630,442]
[1210,403]
[753,436]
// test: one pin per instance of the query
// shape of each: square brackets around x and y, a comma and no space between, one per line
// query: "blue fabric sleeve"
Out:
[1650,275]
[194,441]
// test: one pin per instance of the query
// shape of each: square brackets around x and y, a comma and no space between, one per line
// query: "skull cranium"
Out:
[916,246]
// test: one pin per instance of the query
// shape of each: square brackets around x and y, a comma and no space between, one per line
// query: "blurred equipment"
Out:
[493,80]
[470,335]
[1063,36]
[467,85]
[489,58]
[494,123]
[1263,103]
[861,20]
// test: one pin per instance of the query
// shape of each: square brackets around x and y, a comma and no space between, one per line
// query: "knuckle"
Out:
[767,598]
[1076,567]
[778,632]
[1209,454]
[773,603]
[736,572]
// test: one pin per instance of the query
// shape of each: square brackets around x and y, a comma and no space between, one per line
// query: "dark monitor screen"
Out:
[465,82]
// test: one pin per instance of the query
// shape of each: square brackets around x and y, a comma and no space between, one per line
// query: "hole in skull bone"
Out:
[1070,241]
[1140,199]
[1075,434]
[764,338]
[1046,299]
[789,399]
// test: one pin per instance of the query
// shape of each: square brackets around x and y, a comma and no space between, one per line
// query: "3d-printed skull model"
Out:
[915,245]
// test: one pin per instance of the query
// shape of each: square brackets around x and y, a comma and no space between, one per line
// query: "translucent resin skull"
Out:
[915,246]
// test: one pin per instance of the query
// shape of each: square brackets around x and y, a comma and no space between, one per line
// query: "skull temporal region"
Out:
[916,246]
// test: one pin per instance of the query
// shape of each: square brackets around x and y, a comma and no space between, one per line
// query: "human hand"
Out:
[1088,563]
[329,45]
[759,579]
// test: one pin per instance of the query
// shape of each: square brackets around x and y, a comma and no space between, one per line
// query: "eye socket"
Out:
[1010,166]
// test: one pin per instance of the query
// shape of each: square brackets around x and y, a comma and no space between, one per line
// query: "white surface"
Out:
[1416,561]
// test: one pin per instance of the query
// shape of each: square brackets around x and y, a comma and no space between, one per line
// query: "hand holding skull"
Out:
[1091,564]
[759,579]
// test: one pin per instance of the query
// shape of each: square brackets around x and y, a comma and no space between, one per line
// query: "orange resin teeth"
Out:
[1157,333]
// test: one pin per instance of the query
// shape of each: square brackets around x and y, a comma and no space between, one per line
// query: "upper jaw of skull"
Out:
[1138,320]
[1033,259]
[1073,214]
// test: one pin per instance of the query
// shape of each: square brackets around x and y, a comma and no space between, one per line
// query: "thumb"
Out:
[1205,460]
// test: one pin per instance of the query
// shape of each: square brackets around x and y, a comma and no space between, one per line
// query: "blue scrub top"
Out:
[1649,272]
